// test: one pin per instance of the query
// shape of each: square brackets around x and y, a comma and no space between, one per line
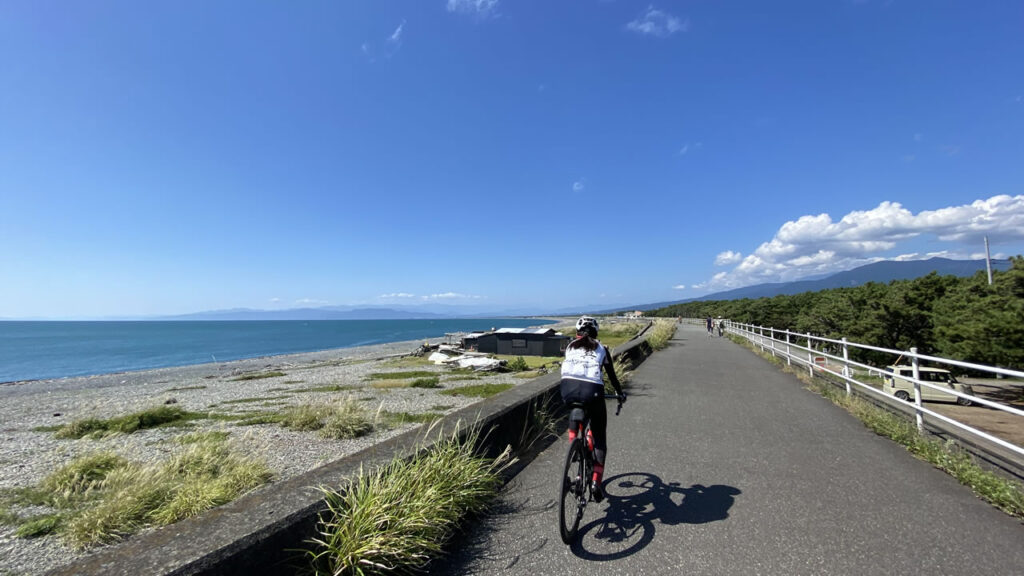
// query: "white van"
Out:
[904,389]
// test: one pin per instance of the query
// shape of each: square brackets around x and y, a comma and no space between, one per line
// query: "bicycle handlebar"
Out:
[619,398]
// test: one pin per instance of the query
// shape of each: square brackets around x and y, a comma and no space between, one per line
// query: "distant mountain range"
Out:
[883,272]
[877,272]
[327,313]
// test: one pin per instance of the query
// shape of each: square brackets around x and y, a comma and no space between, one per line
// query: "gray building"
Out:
[518,342]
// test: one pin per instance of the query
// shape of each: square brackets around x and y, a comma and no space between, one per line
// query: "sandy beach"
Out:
[27,454]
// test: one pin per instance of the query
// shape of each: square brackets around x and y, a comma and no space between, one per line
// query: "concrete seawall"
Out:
[262,532]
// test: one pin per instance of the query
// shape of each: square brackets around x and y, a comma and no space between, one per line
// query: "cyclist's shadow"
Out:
[636,502]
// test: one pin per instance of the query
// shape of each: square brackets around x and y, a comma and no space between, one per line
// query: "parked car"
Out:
[904,389]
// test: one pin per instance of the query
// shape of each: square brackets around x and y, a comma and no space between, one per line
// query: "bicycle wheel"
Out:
[572,495]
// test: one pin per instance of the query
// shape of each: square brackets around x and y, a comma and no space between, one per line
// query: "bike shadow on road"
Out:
[637,502]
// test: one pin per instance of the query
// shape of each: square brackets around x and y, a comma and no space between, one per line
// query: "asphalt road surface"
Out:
[722,464]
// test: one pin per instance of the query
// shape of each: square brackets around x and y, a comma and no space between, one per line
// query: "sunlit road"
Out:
[722,464]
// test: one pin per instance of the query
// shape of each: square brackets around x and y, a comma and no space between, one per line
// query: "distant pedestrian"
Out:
[721,326]
[710,326]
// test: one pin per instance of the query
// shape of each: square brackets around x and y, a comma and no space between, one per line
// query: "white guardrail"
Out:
[816,353]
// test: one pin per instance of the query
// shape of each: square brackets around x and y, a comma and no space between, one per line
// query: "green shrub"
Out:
[518,364]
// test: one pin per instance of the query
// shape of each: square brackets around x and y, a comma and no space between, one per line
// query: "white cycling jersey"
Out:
[583,364]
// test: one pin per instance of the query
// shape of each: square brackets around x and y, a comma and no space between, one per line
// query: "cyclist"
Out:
[582,383]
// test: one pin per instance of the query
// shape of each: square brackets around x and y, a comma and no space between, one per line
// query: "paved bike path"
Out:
[722,464]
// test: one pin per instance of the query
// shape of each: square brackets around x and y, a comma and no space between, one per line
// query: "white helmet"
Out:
[587,322]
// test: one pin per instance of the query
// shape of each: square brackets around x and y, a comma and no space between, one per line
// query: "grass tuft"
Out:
[254,399]
[328,388]
[209,436]
[258,376]
[431,382]
[101,498]
[338,420]
[398,517]
[477,390]
[401,375]
[400,418]
[661,333]
[129,423]
[39,526]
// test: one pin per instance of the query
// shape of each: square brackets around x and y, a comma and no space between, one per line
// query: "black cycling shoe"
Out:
[596,492]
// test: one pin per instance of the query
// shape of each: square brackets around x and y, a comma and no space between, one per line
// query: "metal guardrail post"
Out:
[771,337]
[789,353]
[760,332]
[917,390]
[846,367]
[810,356]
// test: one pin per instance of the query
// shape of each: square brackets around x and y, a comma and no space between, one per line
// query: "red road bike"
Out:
[575,490]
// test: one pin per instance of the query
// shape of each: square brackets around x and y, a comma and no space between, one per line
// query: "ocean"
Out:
[44,350]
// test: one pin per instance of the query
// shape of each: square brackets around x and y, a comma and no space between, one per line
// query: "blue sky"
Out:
[171,157]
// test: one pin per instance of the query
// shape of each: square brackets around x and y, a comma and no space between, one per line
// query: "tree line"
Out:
[962,318]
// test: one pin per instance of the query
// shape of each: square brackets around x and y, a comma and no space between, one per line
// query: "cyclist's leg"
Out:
[599,426]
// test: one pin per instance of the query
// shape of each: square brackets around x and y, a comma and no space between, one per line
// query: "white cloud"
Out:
[396,36]
[687,148]
[275,300]
[310,302]
[679,287]
[918,137]
[578,186]
[654,22]
[816,244]
[452,296]
[728,257]
[950,150]
[394,295]
[392,44]
[480,8]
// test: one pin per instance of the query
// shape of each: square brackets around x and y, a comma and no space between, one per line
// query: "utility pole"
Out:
[988,262]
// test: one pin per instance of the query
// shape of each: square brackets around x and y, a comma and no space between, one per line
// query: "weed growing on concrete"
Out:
[396,518]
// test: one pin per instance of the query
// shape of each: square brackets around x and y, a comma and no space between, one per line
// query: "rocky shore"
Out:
[29,411]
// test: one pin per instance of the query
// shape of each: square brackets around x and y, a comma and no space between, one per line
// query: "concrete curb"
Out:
[262,533]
